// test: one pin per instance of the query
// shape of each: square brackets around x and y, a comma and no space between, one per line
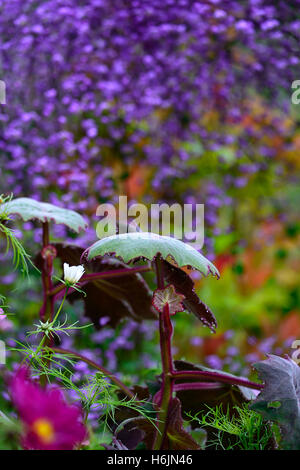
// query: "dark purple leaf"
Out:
[130,435]
[184,285]
[130,421]
[177,437]
[279,401]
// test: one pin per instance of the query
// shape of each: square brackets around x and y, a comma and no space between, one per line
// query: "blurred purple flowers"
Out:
[88,83]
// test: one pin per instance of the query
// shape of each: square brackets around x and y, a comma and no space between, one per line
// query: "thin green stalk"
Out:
[38,349]
[61,305]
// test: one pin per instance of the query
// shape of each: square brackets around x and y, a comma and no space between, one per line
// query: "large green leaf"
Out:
[279,401]
[132,246]
[29,209]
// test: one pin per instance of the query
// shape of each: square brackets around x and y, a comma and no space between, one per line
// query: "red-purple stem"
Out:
[47,310]
[166,391]
[59,290]
[197,386]
[217,377]
[48,302]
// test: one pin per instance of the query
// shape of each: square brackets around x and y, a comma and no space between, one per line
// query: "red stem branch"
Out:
[101,275]
[216,376]
[197,386]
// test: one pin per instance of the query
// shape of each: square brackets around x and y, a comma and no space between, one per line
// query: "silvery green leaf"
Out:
[145,245]
[29,209]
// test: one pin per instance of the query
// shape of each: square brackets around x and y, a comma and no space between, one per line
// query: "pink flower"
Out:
[5,324]
[49,422]
[2,314]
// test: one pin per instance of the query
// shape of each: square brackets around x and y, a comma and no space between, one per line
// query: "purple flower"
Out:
[214,361]
[91,81]
[196,341]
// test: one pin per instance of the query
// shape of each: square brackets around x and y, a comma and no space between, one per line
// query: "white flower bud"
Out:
[72,274]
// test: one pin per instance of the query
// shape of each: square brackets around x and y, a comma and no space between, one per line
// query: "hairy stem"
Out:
[102,369]
[166,392]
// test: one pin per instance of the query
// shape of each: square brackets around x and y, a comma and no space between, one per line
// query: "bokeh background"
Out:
[175,101]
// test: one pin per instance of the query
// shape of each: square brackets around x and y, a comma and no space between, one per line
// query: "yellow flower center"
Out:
[44,429]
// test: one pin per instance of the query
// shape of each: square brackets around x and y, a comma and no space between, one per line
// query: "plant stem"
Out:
[47,309]
[166,392]
[197,386]
[102,275]
[61,305]
[159,273]
[48,304]
[216,376]
[54,320]
[102,369]
[41,344]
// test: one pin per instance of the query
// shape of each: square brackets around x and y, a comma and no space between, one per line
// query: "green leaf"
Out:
[279,401]
[29,209]
[133,246]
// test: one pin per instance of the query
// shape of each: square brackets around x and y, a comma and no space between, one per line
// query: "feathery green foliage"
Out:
[248,429]
[20,256]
